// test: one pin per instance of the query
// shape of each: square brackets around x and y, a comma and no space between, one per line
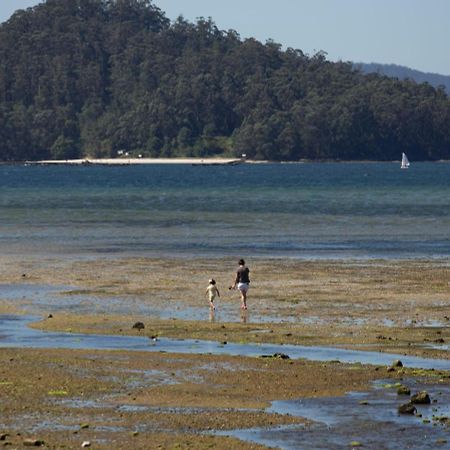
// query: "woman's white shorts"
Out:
[243,287]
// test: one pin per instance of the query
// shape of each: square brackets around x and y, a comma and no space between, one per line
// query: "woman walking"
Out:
[242,282]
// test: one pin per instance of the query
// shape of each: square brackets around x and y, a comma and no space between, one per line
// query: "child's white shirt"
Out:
[212,292]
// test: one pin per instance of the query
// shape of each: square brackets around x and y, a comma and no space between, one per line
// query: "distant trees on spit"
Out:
[96,77]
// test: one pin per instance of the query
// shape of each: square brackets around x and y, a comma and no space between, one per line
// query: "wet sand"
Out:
[66,397]
[128,399]
[381,305]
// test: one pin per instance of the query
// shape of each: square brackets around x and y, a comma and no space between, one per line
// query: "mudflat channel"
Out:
[139,399]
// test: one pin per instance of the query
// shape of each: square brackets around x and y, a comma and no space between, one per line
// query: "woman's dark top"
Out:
[242,275]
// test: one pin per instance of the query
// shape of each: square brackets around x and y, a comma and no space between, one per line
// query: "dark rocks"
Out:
[281,356]
[442,419]
[396,364]
[33,443]
[138,326]
[403,390]
[407,408]
[422,398]
[277,355]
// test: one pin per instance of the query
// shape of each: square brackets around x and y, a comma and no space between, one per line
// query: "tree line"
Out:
[100,77]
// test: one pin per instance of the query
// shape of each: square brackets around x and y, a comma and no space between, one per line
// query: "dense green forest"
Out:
[95,77]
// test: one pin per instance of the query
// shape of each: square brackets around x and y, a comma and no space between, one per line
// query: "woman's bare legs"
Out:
[243,298]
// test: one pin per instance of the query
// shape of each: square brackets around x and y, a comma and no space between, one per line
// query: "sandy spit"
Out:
[130,161]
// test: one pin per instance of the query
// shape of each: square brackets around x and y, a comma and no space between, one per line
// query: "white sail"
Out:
[405,162]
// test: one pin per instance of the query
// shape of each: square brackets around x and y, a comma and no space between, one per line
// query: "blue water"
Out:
[342,420]
[332,210]
[14,332]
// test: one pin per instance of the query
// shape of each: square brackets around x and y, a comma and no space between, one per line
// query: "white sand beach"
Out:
[126,161]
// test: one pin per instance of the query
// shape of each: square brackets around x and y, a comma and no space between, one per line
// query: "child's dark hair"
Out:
[212,281]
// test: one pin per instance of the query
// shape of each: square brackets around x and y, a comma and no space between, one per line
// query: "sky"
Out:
[412,33]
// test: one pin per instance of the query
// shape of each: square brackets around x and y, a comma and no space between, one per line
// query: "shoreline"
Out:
[134,161]
[192,161]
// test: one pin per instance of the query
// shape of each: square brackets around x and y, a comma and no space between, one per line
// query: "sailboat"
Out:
[405,162]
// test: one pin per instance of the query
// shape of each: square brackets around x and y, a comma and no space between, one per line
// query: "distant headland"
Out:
[103,79]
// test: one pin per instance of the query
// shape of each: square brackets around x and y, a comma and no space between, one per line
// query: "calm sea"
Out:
[329,210]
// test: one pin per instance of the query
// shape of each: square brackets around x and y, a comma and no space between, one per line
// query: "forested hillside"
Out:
[94,77]
[403,73]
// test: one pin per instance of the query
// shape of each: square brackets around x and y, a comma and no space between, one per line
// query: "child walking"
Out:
[211,292]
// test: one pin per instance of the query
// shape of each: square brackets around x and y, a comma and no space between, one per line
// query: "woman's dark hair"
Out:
[241,262]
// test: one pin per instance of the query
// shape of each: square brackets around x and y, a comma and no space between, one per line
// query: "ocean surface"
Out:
[305,211]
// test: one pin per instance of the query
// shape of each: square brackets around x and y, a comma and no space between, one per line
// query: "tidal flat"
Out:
[118,399]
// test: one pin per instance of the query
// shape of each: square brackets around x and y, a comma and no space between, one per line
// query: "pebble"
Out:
[422,398]
[138,326]
[33,443]
[407,408]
